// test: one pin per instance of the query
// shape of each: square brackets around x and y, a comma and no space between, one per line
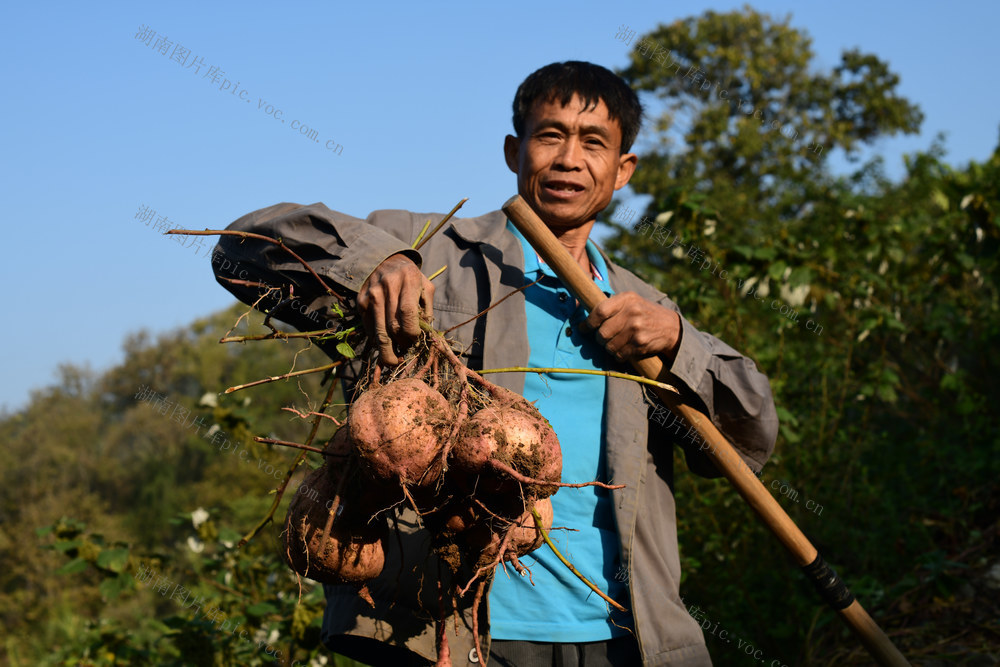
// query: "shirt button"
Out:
[569,331]
[563,296]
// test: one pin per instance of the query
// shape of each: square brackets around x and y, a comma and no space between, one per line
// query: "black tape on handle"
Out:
[828,584]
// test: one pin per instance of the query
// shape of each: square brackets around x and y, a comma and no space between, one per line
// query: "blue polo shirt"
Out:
[560,607]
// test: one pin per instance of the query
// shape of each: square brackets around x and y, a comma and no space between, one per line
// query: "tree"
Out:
[759,118]
[109,478]
[871,305]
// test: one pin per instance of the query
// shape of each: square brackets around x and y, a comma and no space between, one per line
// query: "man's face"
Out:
[568,163]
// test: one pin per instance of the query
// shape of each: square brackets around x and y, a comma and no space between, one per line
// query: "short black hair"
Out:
[561,81]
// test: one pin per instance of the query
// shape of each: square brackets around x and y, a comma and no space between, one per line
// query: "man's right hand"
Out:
[391,302]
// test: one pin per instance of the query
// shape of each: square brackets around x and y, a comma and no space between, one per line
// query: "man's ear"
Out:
[512,152]
[626,167]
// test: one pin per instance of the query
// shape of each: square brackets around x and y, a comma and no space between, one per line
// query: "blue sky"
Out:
[97,124]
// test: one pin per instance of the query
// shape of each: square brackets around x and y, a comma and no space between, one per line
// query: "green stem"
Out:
[548,541]
[419,244]
[275,378]
[421,234]
[324,334]
[582,371]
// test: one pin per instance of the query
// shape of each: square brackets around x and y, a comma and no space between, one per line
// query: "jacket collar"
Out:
[488,228]
[491,228]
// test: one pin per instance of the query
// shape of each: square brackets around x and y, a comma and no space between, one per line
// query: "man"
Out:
[574,125]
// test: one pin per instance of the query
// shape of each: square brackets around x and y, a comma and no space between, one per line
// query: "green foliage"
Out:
[117,477]
[219,605]
[872,306]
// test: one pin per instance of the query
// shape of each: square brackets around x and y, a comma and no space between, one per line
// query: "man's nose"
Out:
[571,154]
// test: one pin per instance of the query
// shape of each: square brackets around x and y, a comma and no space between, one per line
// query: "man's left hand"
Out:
[631,327]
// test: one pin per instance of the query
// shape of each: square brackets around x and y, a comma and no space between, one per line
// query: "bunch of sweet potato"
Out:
[473,477]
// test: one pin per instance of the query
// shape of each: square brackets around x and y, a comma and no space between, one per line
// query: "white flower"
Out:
[765,287]
[198,517]
[794,297]
[195,545]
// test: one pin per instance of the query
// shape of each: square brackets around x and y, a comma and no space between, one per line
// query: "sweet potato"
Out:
[351,554]
[486,537]
[512,437]
[525,537]
[398,431]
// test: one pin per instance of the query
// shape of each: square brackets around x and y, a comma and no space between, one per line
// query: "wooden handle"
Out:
[717,448]
[570,272]
[554,253]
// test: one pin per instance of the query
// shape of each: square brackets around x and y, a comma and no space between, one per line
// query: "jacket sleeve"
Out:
[341,249]
[731,391]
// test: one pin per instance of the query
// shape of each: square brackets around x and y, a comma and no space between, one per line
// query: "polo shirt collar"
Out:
[533,263]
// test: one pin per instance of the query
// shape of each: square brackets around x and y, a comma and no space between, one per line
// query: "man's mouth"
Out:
[563,188]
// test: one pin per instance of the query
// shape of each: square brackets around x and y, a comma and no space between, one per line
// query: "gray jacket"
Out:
[485,263]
